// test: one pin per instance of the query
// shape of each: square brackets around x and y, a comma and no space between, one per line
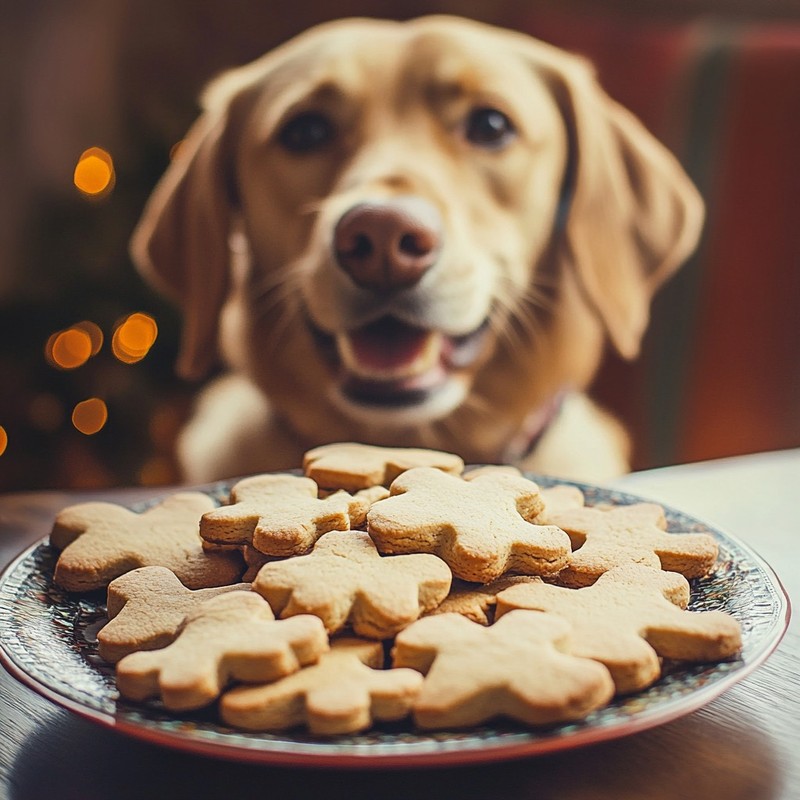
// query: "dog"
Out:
[417,233]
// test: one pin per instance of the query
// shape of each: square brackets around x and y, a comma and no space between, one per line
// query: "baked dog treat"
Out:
[101,541]
[344,692]
[555,499]
[628,619]
[476,602]
[231,637]
[145,608]
[603,538]
[350,466]
[344,579]
[514,668]
[280,515]
[480,527]
[558,500]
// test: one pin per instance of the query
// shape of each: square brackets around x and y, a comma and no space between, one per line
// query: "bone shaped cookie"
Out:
[607,537]
[344,579]
[279,515]
[234,636]
[145,608]
[479,527]
[627,619]
[343,693]
[101,541]
[350,466]
[514,668]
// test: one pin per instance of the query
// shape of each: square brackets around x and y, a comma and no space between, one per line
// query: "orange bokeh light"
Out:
[89,416]
[134,337]
[92,330]
[94,172]
[3,440]
[69,349]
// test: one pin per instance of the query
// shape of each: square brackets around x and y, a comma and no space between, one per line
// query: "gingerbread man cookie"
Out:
[476,602]
[280,515]
[344,579]
[514,668]
[145,608]
[480,527]
[343,693]
[101,541]
[234,636]
[351,466]
[604,538]
[628,619]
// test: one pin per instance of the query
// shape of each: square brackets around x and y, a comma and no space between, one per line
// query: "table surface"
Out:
[744,744]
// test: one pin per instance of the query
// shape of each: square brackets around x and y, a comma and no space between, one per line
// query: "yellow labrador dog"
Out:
[417,233]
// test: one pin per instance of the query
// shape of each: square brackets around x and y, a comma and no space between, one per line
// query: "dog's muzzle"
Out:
[386,248]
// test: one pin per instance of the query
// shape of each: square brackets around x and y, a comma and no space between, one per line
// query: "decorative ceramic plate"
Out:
[48,641]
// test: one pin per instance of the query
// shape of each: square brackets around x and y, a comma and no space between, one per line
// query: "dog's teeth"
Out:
[388,359]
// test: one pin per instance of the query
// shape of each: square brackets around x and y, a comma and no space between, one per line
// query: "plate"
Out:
[48,642]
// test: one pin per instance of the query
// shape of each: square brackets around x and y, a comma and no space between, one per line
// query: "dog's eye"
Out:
[309,130]
[488,127]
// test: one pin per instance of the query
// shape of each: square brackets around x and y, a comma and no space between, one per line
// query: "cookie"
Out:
[351,466]
[628,619]
[145,608]
[558,500]
[280,515]
[514,668]
[343,693]
[344,580]
[604,538]
[101,541]
[476,601]
[232,637]
[480,527]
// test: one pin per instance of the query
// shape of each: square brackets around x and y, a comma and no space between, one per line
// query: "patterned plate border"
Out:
[47,641]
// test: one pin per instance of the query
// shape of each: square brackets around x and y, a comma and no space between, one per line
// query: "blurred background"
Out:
[95,94]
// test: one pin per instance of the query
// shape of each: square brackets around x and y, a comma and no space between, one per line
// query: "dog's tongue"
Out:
[390,346]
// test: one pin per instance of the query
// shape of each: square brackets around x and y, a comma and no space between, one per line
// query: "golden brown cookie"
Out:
[344,580]
[479,527]
[145,608]
[476,601]
[557,500]
[343,693]
[350,466]
[628,619]
[514,668]
[101,541]
[232,637]
[280,515]
[603,538]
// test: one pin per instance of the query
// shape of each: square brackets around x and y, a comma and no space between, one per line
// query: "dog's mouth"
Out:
[391,364]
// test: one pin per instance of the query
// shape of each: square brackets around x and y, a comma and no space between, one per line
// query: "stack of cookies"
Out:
[390,583]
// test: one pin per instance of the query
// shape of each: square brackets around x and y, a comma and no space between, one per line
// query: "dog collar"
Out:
[533,428]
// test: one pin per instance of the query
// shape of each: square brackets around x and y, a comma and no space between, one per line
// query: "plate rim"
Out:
[322,754]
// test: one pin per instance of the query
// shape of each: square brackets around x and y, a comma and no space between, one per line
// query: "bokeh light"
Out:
[92,330]
[133,337]
[94,173]
[89,416]
[69,349]
[3,440]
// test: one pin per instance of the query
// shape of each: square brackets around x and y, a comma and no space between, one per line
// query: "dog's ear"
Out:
[631,214]
[181,241]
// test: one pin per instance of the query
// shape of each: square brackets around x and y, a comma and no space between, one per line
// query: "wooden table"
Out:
[745,744]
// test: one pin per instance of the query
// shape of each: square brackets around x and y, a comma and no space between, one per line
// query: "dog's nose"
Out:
[387,246]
